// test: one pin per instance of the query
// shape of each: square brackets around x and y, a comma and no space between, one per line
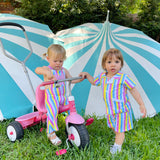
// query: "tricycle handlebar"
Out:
[12,24]
[61,80]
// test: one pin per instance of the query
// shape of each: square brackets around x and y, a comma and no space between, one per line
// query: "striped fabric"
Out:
[118,108]
[115,91]
[120,122]
[55,96]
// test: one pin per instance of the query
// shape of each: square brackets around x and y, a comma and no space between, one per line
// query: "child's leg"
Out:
[119,139]
[119,133]
[52,105]
[123,122]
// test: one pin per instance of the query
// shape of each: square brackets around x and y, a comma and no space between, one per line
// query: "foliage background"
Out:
[62,14]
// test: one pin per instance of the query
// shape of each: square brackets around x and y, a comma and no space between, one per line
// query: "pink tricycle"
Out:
[75,124]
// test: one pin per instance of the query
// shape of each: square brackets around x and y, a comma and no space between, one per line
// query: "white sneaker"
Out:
[115,149]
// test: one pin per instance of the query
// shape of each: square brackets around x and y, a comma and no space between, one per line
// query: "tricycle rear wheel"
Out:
[15,131]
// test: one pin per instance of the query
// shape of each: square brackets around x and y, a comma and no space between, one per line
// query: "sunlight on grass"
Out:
[141,143]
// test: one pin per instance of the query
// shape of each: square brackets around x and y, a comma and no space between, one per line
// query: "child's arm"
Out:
[46,72]
[88,76]
[69,76]
[136,95]
[41,70]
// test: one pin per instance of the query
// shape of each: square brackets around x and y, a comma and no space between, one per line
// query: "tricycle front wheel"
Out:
[80,135]
[15,131]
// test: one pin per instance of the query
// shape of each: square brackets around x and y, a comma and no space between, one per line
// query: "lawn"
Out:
[141,143]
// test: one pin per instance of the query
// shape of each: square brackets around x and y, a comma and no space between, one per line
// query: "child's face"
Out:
[56,63]
[113,65]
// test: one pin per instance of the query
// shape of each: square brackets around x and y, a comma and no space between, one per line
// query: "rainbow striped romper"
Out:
[54,97]
[118,108]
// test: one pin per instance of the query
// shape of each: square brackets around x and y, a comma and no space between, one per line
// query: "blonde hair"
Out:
[109,54]
[55,51]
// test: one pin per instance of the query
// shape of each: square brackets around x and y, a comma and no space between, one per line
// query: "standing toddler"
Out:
[114,86]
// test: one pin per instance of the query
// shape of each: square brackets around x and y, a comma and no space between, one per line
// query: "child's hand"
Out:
[50,75]
[86,75]
[83,75]
[143,110]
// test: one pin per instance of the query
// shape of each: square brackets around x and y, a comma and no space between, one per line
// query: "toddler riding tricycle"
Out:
[75,124]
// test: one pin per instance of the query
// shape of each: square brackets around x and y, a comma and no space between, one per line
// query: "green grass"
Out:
[141,143]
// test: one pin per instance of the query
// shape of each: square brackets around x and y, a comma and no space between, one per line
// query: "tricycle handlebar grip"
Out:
[12,24]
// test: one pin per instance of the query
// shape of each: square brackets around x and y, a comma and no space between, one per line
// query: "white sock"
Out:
[117,145]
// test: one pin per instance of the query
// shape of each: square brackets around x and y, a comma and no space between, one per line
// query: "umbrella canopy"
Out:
[16,95]
[85,45]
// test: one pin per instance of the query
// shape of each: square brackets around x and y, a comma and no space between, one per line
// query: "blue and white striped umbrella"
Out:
[85,45]
[16,95]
